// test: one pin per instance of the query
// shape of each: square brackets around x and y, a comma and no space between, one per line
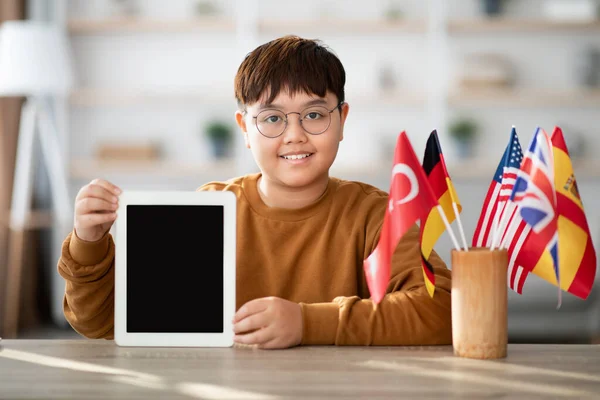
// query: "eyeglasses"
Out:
[314,120]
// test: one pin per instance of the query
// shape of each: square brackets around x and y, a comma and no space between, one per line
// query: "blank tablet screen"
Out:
[175,268]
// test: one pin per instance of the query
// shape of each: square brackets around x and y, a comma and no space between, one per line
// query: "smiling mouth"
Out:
[297,156]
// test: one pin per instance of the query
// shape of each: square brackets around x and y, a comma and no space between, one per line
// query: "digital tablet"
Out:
[175,269]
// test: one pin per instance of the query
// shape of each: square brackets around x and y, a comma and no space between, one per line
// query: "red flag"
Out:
[410,199]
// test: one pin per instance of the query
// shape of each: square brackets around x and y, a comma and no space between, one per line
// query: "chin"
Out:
[300,179]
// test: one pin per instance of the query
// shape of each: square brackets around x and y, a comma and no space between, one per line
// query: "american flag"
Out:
[536,196]
[498,208]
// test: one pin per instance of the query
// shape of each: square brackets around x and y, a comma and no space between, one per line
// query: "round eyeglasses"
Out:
[314,120]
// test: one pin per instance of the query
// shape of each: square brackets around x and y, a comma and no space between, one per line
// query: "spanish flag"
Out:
[577,258]
[433,227]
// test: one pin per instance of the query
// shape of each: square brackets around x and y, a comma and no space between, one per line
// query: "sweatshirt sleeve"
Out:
[407,315]
[88,269]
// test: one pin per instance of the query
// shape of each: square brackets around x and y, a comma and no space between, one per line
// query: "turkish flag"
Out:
[411,198]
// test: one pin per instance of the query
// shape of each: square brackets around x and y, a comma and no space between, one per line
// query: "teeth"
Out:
[296,156]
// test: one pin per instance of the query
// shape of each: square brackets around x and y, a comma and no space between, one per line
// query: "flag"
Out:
[445,194]
[536,196]
[410,199]
[577,257]
[498,192]
[497,207]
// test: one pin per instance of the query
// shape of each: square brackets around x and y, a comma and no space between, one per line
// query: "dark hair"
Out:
[291,63]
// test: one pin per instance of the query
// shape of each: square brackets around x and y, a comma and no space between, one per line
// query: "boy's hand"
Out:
[269,322]
[95,209]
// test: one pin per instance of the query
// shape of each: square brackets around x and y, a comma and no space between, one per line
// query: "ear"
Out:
[343,115]
[239,118]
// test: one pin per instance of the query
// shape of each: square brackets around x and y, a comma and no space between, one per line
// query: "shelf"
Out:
[90,169]
[345,25]
[90,97]
[463,170]
[138,24]
[525,98]
[401,97]
[211,24]
[480,25]
[484,169]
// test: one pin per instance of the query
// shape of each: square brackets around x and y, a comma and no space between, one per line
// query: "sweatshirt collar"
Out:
[250,186]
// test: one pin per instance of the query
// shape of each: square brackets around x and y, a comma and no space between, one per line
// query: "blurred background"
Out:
[148,104]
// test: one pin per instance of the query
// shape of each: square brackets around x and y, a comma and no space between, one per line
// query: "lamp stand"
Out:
[34,114]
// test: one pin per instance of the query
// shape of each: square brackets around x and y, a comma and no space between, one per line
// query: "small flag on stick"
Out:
[410,199]
[535,196]
[434,225]
[576,254]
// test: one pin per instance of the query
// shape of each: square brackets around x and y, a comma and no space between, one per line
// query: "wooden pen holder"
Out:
[479,303]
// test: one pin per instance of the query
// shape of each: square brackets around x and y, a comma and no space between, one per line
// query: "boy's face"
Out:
[295,158]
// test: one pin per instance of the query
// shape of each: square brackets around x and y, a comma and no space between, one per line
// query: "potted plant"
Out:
[220,135]
[463,131]
[204,8]
[393,13]
[492,7]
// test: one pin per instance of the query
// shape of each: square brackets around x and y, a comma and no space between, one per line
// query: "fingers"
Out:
[97,191]
[251,323]
[99,196]
[114,189]
[258,337]
[88,220]
[92,205]
[250,308]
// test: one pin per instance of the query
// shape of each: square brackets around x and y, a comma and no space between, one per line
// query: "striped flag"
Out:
[498,192]
[443,190]
[576,254]
[536,196]
[497,207]
[410,200]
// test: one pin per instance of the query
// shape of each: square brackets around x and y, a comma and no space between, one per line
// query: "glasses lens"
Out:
[316,120]
[270,123]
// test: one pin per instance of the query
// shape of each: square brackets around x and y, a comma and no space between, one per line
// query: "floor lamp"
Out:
[34,63]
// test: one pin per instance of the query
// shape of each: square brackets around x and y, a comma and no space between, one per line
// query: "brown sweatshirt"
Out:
[313,256]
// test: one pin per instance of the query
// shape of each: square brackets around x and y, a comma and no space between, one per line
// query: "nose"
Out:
[294,133]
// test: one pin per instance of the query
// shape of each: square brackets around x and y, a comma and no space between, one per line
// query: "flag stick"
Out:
[495,223]
[448,228]
[495,226]
[504,218]
[460,227]
[514,222]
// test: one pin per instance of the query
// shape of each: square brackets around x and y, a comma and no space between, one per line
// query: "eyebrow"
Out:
[307,104]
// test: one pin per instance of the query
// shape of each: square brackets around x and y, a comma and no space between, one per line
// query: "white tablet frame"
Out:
[184,339]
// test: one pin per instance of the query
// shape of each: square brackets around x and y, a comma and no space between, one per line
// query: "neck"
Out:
[275,194]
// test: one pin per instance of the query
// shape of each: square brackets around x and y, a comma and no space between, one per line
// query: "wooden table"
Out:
[86,369]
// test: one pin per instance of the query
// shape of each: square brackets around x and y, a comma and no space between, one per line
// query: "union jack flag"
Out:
[535,195]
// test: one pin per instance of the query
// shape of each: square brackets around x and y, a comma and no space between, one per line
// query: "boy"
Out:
[301,235]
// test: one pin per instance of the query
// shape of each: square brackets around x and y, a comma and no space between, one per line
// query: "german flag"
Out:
[577,257]
[439,179]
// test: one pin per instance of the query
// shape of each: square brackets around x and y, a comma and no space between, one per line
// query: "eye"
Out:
[271,119]
[312,115]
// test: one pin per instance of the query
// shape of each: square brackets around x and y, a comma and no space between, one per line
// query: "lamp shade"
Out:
[34,60]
